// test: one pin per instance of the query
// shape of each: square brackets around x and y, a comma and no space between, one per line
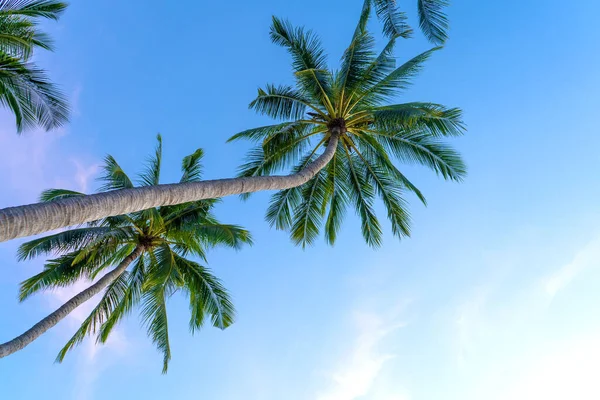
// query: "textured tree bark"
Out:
[42,217]
[38,329]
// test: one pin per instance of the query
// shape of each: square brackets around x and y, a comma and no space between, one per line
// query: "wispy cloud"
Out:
[357,372]
[504,331]
[468,321]
[588,256]
[33,162]
[569,371]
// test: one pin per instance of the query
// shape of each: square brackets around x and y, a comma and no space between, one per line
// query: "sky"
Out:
[494,296]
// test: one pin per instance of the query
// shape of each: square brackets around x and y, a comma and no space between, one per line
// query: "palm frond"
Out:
[373,150]
[191,166]
[268,159]
[304,46]
[362,193]
[337,183]
[32,98]
[131,296]
[154,316]
[114,177]
[61,242]
[309,213]
[59,272]
[281,208]
[180,216]
[435,118]
[151,176]
[207,296]
[421,148]
[216,234]
[280,102]
[113,295]
[433,21]
[378,69]
[18,37]
[396,81]
[57,194]
[394,20]
[390,193]
[33,8]
[355,62]
[263,132]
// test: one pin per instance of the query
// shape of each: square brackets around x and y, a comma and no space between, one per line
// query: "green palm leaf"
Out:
[151,176]
[29,94]
[32,8]
[113,295]
[191,166]
[57,194]
[433,21]
[114,177]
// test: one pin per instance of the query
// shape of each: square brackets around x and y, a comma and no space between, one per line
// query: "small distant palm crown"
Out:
[167,237]
[350,103]
[24,88]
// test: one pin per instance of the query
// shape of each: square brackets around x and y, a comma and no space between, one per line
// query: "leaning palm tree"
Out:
[342,116]
[149,253]
[24,88]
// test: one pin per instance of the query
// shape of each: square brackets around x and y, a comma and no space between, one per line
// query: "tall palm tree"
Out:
[148,252]
[348,107]
[344,111]
[25,88]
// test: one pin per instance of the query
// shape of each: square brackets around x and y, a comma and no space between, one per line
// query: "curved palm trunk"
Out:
[42,217]
[38,329]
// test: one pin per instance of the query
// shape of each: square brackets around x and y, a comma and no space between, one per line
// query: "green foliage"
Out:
[432,19]
[168,236]
[24,88]
[374,137]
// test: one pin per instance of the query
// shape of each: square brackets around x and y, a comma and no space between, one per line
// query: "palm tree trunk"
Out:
[38,329]
[42,217]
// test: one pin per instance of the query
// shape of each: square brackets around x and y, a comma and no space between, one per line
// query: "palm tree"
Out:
[344,111]
[149,254]
[24,88]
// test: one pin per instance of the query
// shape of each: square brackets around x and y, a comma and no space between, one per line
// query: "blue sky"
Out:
[494,296]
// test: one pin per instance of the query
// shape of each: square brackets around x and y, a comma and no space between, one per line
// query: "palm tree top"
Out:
[168,238]
[24,88]
[352,105]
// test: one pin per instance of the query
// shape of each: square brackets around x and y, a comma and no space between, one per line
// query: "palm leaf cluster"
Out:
[432,19]
[170,238]
[24,87]
[351,102]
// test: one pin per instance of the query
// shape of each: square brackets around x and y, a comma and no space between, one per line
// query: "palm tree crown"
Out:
[24,88]
[165,239]
[349,104]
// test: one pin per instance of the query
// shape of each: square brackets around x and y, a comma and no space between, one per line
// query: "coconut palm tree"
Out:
[149,253]
[345,112]
[25,88]
[347,106]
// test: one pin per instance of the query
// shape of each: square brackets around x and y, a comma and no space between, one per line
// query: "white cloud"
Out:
[358,371]
[588,256]
[468,322]
[515,340]
[33,162]
[570,371]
